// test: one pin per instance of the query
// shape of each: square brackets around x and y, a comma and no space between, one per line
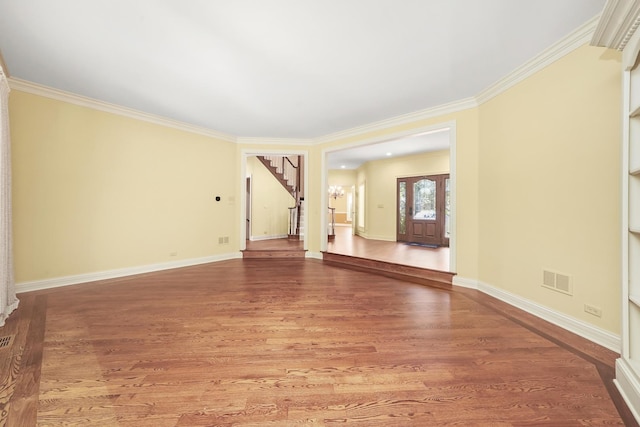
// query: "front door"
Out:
[423,210]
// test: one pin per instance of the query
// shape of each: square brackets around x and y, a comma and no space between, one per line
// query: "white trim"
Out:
[3,67]
[624,217]
[381,238]
[577,38]
[574,40]
[313,255]
[270,237]
[57,282]
[617,24]
[247,152]
[450,126]
[453,195]
[464,282]
[274,141]
[440,110]
[579,327]
[83,101]
[629,386]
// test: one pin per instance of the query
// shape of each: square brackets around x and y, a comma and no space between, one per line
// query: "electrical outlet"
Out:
[593,310]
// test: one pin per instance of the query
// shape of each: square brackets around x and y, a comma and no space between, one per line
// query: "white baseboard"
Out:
[313,255]
[464,282]
[383,238]
[270,237]
[579,327]
[629,386]
[121,272]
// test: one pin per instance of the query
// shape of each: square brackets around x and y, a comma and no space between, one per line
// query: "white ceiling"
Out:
[352,158]
[279,68]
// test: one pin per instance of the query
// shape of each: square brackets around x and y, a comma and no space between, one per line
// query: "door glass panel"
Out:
[447,208]
[424,199]
[402,208]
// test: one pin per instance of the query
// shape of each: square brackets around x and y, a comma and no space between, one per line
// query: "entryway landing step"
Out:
[425,276]
[273,253]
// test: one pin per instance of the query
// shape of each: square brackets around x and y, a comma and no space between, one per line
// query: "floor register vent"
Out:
[557,282]
[4,341]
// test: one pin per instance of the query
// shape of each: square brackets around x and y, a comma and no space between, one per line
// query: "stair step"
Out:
[274,254]
[427,276]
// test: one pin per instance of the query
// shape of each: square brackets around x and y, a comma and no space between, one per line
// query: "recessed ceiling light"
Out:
[388,154]
[342,167]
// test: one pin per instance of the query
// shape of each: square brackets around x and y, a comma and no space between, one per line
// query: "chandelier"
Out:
[336,191]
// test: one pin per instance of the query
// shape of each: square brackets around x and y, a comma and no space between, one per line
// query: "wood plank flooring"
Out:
[284,342]
[396,252]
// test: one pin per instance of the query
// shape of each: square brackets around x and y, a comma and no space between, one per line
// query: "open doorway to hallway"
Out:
[374,169]
[273,204]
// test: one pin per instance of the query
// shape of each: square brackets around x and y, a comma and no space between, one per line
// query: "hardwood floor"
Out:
[345,243]
[285,342]
[415,256]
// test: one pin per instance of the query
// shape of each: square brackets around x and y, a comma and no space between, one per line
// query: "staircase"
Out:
[288,171]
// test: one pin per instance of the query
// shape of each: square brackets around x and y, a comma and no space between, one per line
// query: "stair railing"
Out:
[289,175]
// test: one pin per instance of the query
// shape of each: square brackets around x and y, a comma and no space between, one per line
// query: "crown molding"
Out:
[274,141]
[428,113]
[568,44]
[571,42]
[59,95]
[618,22]
[574,40]
[3,66]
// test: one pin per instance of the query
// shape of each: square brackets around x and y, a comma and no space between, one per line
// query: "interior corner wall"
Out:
[549,185]
[94,191]
[270,203]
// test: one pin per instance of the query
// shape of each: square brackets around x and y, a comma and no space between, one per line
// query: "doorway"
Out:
[416,141]
[248,207]
[259,232]
[424,210]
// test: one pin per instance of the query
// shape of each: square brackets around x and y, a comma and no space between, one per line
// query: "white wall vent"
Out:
[557,282]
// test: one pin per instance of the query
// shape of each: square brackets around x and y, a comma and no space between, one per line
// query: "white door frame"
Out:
[451,126]
[248,152]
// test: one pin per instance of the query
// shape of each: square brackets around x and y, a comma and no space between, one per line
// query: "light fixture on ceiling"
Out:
[389,154]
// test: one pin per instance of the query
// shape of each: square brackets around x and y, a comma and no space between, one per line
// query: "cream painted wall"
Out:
[380,177]
[95,191]
[346,178]
[550,185]
[270,202]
